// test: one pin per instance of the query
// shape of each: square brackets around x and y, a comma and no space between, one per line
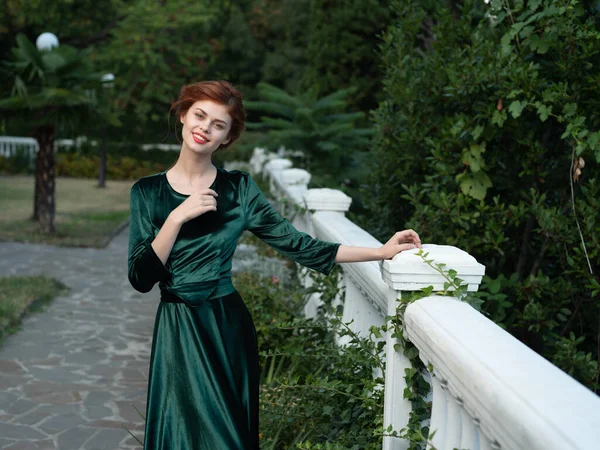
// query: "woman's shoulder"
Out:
[236,176]
[148,183]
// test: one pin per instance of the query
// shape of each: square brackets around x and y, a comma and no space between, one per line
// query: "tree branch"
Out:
[525,246]
[538,260]
[575,212]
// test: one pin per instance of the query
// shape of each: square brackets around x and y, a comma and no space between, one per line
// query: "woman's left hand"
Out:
[402,240]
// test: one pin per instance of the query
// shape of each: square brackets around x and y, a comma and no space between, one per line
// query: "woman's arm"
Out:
[165,239]
[195,205]
[402,240]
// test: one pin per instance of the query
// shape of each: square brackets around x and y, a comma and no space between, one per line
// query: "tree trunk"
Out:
[102,171]
[44,178]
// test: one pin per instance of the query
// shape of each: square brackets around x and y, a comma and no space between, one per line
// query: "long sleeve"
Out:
[267,224]
[145,267]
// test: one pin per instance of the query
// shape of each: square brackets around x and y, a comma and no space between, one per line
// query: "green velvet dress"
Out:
[204,370]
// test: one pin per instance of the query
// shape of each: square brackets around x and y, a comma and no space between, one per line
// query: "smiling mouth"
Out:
[199,139]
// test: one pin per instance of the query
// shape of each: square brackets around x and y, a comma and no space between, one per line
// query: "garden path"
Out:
[73,375]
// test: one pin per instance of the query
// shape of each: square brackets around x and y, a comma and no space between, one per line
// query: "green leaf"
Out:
[505,43]
[544,111]
[538,44]
[499,117]
[516,108]
[569,109]
[473,157]
[474,184]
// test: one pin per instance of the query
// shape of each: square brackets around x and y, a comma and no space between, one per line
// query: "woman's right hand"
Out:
[195,205]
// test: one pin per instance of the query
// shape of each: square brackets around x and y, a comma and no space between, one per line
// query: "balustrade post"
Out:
[273,169]
[318,200]
[295,182]
[404,273]
[260,157]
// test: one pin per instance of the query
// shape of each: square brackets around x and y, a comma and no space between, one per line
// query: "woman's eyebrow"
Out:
[203,112]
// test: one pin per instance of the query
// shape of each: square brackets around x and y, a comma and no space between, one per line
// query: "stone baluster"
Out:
[321,200]
[273,170]
[404,273]
[295,183]
[258,160]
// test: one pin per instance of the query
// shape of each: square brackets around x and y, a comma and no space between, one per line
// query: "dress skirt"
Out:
[204,377]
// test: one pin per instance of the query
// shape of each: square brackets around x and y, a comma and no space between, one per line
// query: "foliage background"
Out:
[488,109]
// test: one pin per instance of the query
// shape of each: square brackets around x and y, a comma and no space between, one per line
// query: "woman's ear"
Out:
[182,118]
[226,141]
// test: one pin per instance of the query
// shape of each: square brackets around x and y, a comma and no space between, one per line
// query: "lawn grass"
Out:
[20,295]
[86,216]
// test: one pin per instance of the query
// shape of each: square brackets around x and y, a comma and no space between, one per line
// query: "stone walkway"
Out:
[72,377]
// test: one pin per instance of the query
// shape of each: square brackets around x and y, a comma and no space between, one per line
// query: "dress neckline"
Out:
[212,186]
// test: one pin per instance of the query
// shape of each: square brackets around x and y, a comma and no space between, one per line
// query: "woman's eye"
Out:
[219,127]
[199,116]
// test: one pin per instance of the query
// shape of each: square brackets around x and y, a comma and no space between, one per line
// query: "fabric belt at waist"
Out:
[222,288]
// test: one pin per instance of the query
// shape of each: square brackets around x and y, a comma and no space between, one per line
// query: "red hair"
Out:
[221,92]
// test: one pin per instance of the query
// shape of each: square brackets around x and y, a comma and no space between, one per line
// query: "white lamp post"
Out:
[107,83]
[108,80]
[46,41]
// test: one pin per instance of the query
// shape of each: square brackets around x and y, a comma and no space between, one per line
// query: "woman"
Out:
[185,224]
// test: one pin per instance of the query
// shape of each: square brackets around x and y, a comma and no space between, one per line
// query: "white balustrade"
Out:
[489,391]
[10,145]
[272,170]
[503,392]
[258,160]
[406,272]
[295,183]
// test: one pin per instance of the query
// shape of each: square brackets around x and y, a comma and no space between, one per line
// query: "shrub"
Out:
[488,140]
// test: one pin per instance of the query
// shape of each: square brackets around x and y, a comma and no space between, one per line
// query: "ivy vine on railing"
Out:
[417,388]
[347,395]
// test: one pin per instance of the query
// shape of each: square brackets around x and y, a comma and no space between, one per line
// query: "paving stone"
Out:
[44,387]
[54,374]
[98,412]
[97,397]
[106,440]
[60,409]
[53,361]
[132,441]
[86,357]
[31,418]
[47,444]
[7,366]
[10,381]
[9,430]
[27,350]
[7,399]
[61,422]
[22,445]
[21,406]
[118,424]
[74,438]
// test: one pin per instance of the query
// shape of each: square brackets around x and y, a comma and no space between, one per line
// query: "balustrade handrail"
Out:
[9,144]
[511,393]
[490,391]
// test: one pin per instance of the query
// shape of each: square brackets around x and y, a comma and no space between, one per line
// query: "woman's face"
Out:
[206,126]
